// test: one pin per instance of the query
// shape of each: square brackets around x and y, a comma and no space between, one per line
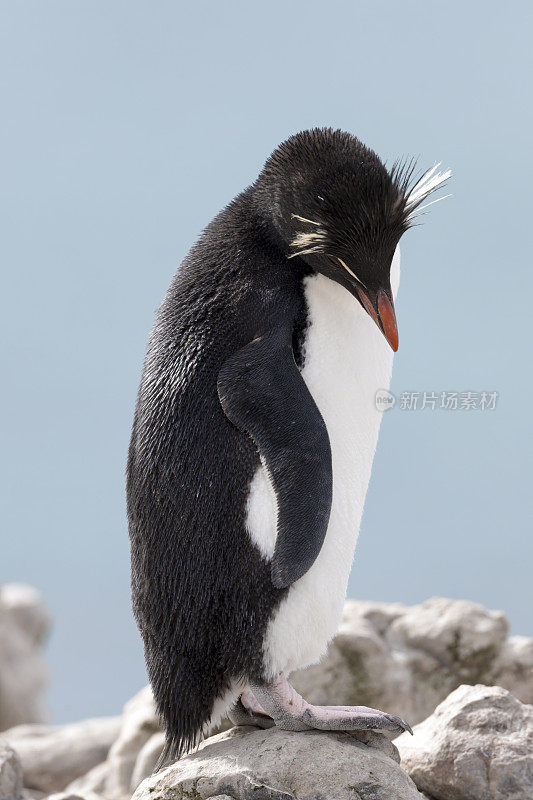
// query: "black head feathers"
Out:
[330,195]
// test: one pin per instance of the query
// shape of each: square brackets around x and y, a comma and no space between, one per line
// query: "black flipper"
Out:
[262,392]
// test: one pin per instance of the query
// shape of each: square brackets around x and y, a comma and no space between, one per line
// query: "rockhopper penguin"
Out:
[254,435]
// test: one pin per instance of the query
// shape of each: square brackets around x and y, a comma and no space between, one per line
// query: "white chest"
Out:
[346,361]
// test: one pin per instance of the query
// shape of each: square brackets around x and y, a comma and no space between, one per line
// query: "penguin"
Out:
[254,434]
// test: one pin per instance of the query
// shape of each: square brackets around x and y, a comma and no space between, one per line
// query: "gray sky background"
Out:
[125,127]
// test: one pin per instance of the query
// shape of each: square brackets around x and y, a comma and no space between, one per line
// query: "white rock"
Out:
[139,723]
[68,796]
[464,635]
[147,759]
[246,763]
[135,750]
[10,773]
[25,606]
[513,668]
[92,784]
[477,745]
[53,756]
[24,623]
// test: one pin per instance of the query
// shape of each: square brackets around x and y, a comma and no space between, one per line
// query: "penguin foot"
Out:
[291,712]
[247,711]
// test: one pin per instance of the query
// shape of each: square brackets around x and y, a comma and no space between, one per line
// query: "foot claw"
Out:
[400,723]
[406,726]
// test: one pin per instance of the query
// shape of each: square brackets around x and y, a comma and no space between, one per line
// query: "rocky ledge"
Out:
[478,745]
[250,764]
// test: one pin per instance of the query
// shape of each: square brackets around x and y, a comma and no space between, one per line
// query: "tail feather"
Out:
[190,707]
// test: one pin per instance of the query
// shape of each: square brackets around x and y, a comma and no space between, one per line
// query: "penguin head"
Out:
[337,207]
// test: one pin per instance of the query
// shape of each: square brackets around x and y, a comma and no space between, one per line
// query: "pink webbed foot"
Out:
[291,712]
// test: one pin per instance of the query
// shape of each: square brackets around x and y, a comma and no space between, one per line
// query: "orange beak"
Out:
[384,315]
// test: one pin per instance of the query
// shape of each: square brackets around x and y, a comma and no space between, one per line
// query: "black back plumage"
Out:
[202,595]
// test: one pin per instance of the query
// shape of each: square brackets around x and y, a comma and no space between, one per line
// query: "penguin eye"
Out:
[319,198]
